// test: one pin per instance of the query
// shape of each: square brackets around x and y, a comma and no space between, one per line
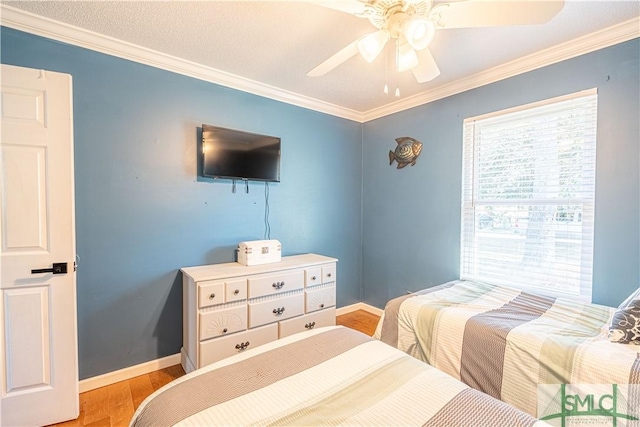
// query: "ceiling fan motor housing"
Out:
[390,14]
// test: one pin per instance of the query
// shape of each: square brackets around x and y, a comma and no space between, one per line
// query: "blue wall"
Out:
[411,221]
[142,213]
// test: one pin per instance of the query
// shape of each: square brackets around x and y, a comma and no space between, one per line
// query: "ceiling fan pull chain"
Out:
[396,70]
[386,72]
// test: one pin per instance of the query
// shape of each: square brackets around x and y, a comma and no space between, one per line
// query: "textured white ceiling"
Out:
[278,42]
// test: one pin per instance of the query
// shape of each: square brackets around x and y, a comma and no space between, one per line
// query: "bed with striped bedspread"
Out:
[328,376]
[505,342]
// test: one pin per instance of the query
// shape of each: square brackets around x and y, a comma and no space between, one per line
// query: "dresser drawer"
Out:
[318,299]
[312,276]
[273,310]
[217,349]
[210,293]
[274,283]
[328,273]
[235,290]
[307,322]
[222,322]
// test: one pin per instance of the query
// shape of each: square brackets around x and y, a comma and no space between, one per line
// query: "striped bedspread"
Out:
[328,376]
[505,342]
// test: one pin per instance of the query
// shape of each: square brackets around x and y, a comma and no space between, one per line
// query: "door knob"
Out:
[58,268]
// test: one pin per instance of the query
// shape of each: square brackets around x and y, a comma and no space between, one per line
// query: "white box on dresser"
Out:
[230,307]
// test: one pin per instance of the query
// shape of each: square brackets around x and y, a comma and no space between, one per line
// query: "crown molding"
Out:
[610,36]
[38,25]
[34,24]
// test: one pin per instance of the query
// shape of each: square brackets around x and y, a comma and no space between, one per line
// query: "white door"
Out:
[39,350]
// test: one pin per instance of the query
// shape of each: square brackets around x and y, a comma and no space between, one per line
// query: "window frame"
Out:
[469,202]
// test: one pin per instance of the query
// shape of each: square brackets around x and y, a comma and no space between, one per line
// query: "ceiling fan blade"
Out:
[427,69]
[335,60]
[355,7]
[488,13]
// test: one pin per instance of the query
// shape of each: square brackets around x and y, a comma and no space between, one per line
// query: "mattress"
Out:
[506,342]
[327,376]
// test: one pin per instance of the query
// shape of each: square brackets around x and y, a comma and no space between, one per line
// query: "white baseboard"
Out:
[359,306]
[128,373]
[186,363]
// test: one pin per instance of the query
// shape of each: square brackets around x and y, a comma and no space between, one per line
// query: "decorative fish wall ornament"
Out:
[406,152]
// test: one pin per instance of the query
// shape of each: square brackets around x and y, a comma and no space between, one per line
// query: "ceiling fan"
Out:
[412,24]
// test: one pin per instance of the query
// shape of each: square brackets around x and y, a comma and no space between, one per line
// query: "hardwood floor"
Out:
[115,404]
[359,320]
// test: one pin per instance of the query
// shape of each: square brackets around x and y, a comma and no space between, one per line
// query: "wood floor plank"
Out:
[114,404]
[120,403]
[104,422]
[141,387]
[94,405]
[159,378]
[175,371]
[360,320]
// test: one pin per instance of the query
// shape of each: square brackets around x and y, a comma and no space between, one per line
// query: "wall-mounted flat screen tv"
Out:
[233,154]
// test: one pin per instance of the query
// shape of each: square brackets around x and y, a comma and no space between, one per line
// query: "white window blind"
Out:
[528,196]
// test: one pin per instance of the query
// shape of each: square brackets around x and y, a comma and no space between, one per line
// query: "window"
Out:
[528,196]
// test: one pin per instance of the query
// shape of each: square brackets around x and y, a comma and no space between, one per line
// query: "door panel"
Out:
[38,326]
[28,356]
[23,105]
[25,204]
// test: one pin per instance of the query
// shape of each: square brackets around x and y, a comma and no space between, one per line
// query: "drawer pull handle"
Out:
[313,277]
[321,305]
[236,292]
[224,331]
[278,285]
[242,346]
[212,296]
[328,274]
[310,325]
[278,311]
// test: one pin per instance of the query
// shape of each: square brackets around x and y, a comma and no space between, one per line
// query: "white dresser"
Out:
[230,307]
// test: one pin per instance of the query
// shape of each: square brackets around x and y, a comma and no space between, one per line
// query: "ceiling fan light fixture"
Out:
[406,57]
[371,45]
[419,33]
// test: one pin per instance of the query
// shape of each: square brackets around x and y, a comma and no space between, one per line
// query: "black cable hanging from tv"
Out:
[267,226]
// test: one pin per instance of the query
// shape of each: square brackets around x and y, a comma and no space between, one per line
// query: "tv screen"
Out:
[233,154]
